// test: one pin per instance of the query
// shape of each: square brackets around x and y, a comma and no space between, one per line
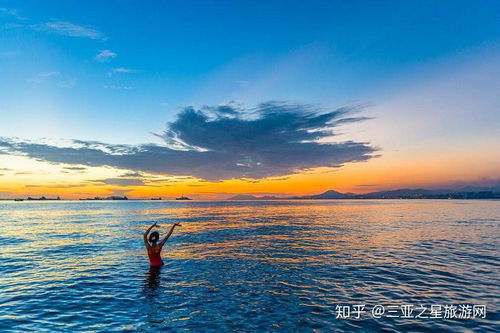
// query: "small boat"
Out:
[183,198]
[157,198]
[18,199]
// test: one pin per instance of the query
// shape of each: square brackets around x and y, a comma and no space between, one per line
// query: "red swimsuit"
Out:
[155,258]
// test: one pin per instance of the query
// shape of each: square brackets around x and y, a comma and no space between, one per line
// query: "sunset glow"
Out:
[94,116]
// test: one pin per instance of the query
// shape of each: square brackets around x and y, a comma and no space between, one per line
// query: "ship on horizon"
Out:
[42,198]
[114,197]
[182,197]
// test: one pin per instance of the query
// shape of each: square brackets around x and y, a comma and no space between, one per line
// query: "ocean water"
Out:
[303,266]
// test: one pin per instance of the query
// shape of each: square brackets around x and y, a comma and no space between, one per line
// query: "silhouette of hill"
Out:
[330,194]
[469,192]
[252,197]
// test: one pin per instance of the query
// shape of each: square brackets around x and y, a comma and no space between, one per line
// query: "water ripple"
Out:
[246,266]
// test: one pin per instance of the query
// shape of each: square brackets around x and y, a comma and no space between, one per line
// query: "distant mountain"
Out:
[463,193]
[243,197]
[252,197]
[405,193]
[395,194]
[331,194]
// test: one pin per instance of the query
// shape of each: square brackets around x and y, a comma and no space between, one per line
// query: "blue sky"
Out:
[117,71]
[174,54]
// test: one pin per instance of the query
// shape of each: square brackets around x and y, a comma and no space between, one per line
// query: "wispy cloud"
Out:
[63,81]
[70,83]
[41,77]
[222,142]
[115,87]
[130,175]
[121,181]
[125,70]
[55,186]
[34,80]
[76,168]
[105,56]
[24,173]
[12,12]
[72,30]
[242,83]
[47,74]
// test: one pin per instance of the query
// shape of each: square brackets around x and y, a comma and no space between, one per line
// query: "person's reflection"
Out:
[151,305]
[152,282]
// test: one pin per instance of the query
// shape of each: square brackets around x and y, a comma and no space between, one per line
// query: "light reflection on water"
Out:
[245,265]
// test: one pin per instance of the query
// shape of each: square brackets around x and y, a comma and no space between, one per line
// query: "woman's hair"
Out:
[154,236]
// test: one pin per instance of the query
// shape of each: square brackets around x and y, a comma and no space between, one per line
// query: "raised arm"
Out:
[169,233]
[147,233]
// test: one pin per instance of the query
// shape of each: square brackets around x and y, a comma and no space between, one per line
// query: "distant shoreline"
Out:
[241,200]
[466,193]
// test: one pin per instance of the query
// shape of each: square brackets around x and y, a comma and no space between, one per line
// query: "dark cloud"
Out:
[55,186]
[75,168]
[131,174]
[280,178]
[121,181]
[215,143]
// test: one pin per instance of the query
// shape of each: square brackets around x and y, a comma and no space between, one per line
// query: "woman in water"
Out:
[154,249]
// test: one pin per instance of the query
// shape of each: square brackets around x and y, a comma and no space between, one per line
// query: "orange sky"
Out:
[423,97]
[439,131]
[419,167]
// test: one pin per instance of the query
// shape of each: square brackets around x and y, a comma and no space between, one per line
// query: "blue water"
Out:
[247,266]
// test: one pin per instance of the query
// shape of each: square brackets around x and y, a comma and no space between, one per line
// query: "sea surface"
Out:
[289,266]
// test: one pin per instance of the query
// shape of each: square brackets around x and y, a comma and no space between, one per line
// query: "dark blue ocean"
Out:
[288,266]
